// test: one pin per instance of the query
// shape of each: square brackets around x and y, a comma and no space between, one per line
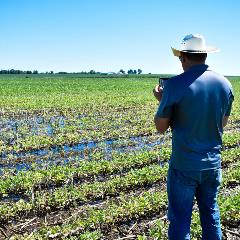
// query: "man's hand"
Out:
[158,92]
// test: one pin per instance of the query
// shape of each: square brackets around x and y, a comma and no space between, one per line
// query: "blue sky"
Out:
[107,35]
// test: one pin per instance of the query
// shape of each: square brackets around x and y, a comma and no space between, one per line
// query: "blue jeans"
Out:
[182,187]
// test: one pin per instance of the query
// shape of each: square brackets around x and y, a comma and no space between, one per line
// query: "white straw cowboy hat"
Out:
[194,43]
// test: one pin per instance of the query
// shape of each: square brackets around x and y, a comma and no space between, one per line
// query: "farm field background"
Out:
[81,159]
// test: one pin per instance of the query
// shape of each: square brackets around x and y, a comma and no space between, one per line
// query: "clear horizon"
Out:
[106,36]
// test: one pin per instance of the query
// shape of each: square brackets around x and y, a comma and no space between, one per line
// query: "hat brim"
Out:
[209,49]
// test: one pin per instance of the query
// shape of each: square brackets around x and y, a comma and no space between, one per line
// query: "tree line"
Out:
[131,71]
[121,71]
[13,71]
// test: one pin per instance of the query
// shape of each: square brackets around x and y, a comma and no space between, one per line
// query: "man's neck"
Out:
[191,64]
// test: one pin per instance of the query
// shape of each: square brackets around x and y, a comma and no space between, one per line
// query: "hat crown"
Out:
[193,42]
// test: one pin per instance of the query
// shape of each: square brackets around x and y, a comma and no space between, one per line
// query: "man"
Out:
[196,104]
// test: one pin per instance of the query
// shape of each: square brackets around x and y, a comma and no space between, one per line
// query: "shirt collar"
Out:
[198,67]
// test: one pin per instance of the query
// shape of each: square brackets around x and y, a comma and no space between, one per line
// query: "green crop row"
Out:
[134,208]
[92,153]
[35,142]
[67,196]
[91,126]
[96,153]
[27,181]
[74,135]
[70,195]
[230,139]
[232,175]
[230,155]
[126,208]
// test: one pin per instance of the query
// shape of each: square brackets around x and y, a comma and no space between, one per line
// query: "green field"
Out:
[81,159]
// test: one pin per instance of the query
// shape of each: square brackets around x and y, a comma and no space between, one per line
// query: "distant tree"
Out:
[139,71]
[134,71]
[121,71]
[28,72]
[51,72]
[35,72]
[130,71]
[92,72]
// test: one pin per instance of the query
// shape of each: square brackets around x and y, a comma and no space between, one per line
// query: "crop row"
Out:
[26,181]
[229,140]
[49,114]
[73,135]
[102,150]
[230,155]
[232,175]
[68,196]
[36,142]
[85,149]
[131,208]
[51,125]
[30,138]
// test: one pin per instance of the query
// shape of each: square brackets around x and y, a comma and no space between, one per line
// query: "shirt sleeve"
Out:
[165,108]
[229,107]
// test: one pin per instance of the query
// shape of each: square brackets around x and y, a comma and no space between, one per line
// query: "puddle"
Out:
[81,149]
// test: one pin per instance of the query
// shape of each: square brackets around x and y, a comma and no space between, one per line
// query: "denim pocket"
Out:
[187,178]
[212,178]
